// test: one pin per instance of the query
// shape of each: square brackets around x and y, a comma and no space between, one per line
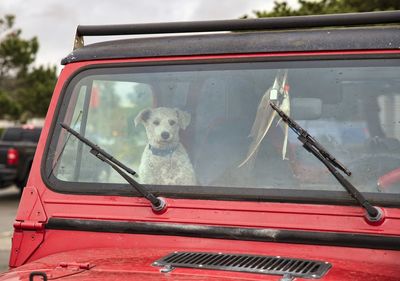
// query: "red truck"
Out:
[257,149]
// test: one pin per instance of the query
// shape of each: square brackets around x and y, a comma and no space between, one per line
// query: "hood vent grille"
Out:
[246,263]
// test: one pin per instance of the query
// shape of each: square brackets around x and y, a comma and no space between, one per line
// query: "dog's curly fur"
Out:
[164,160]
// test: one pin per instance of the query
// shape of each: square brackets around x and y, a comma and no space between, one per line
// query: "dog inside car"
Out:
[164,160]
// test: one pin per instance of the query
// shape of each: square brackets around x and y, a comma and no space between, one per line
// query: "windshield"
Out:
[193,125]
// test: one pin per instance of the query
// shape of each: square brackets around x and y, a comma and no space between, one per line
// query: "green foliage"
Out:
[25,91]
[314,7]
[17,54]
[8,107]
[7,22]
[34,93]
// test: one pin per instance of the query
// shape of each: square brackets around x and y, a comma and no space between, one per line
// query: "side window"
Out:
[31,135]
[104,112]
[12,134]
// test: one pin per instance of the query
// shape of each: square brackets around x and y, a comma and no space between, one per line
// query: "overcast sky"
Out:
[54,22]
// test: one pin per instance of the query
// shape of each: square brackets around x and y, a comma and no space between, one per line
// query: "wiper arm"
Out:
[157,203]
[374,214]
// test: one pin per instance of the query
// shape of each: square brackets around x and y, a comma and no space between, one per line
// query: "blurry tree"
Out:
[314,7]
[25,90]
[34,92]
[8,108]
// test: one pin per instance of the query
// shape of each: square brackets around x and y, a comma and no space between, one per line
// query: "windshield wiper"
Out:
[374,214]
[158,204]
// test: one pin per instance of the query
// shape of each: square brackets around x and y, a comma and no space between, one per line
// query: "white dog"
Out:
[165,160]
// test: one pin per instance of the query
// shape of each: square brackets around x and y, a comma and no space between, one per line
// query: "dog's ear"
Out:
[183,118]
[142,116]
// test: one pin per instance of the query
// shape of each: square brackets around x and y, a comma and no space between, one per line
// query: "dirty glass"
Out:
[192,125]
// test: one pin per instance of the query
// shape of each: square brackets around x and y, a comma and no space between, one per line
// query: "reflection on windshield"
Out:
[185,127]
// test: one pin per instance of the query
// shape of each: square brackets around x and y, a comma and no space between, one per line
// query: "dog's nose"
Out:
[165,135]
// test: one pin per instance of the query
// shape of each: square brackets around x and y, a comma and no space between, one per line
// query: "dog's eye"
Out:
[171,122]
[156,122]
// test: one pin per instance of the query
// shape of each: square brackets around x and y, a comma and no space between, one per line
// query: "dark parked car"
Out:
[17,148]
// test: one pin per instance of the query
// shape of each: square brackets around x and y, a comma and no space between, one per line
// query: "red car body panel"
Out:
[130,256]
[133,259]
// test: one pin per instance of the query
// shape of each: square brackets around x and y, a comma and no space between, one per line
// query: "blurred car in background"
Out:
[17,148]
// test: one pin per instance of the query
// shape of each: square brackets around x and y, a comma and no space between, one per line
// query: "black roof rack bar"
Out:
[238,24]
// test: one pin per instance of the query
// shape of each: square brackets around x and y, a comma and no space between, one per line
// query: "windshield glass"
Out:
[194,125]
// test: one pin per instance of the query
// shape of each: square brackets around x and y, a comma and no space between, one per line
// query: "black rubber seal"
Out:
[354,240]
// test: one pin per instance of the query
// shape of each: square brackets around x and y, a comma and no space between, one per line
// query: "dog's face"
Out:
[162,125]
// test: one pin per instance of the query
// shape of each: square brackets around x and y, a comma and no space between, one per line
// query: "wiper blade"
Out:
[157,203]
[374,214]
[304,136]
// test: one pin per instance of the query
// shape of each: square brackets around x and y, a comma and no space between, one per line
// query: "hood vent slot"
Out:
[247,263]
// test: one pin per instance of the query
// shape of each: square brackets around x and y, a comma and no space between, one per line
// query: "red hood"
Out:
[127,264]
